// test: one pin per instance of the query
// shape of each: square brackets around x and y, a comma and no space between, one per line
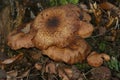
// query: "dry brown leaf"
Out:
[65,73]
[101,73]
[12,59]
[83,7]
[38,66]
[107,6]
[24,74]
[96,11]
[26,29]
[95,59]
[76,74]
[69,74]
[11,75]
[51,68]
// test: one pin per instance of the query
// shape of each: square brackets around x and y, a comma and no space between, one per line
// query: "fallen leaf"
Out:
[26,29]
[76,74]
[107,6]
[24,74]
[51,68]
[38,66]
[12,59]
[101,73]
[65,73]
[11,75]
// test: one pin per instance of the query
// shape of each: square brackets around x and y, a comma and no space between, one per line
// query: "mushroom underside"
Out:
[76,52]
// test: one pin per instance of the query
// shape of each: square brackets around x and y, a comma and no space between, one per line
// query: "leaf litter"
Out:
[33,65]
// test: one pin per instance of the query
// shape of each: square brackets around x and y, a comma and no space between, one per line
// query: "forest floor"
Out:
[30,64]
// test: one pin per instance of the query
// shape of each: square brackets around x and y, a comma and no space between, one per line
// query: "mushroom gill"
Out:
[76,52]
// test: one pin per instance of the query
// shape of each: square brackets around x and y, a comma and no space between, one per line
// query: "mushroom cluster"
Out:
[58,31]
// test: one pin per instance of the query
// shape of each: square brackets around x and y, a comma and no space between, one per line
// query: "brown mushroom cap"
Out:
[95,59]
[21,38]
[56,26]
[85,29]
[77,52]
[73,10]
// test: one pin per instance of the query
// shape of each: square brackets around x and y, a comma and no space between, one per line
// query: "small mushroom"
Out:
[76,52]
[85,29]
[95,59]
[20,38]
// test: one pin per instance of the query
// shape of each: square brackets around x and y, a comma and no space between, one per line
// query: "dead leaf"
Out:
[101,73]
[12,59]
[107,6]
[26,29]
[65,73]
[83,7]
[11,75]
[51,68]
[38,66]
[76,74]
[96,11]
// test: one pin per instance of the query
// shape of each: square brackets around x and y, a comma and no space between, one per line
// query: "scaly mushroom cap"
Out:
[76,52]
[21,37]
[72,9]
[56,26]
[85,29]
